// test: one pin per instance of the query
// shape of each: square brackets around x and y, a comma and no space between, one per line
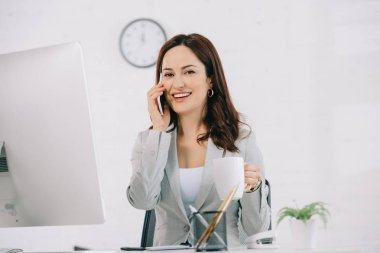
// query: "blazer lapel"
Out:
[172,172]
[207,181]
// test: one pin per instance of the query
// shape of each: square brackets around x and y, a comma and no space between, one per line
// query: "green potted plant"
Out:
[302,223]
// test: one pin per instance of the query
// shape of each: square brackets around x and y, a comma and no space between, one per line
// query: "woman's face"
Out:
[185,81]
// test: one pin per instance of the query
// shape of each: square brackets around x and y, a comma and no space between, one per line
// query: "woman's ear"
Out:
[209,82]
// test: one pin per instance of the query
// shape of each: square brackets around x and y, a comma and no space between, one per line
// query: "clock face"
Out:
[140,42]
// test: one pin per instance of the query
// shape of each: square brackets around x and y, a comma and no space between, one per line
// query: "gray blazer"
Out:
[155,184]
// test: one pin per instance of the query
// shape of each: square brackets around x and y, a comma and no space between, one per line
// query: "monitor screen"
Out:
[46,134]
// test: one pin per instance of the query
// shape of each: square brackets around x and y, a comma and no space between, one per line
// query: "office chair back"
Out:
[269,202]
[148,229]
[150,223]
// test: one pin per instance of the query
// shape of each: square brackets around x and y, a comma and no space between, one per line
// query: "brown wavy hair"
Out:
[222,119]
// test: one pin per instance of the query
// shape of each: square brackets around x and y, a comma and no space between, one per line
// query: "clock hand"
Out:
[143,38]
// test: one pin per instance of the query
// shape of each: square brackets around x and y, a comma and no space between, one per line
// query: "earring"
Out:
[210,93]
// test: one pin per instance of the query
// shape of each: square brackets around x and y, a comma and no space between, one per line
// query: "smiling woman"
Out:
[180,66]
[199,124]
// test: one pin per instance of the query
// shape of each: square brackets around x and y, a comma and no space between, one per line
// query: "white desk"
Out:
[240,250]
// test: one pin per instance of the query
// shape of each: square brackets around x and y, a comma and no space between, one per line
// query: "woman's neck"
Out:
[190,125]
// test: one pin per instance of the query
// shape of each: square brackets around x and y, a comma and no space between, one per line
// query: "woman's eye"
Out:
[189,72]
[168,75]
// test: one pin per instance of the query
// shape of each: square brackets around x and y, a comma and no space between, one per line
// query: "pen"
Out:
[195,212]
[132,248]
[205,237]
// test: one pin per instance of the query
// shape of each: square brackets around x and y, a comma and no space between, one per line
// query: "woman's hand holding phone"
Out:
[160,121]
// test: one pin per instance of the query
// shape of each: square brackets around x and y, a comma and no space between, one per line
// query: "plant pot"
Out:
[304,234]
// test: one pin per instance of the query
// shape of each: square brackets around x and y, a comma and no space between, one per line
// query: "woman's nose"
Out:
[178,82]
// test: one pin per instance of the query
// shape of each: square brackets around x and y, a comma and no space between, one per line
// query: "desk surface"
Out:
[239,250]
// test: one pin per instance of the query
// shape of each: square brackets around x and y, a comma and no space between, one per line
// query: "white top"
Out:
[190,181]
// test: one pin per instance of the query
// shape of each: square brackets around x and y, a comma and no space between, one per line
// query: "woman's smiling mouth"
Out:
[181,96]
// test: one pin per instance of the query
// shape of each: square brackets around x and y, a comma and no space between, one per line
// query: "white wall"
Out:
[305,73]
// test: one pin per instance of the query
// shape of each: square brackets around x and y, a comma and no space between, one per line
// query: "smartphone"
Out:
[132,248]
[159,98]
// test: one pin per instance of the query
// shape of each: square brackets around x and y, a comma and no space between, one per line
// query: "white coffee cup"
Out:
[228,172]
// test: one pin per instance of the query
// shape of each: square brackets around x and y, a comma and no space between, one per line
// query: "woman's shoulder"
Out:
[150,133]
[247,137]
[245,131]
[142,134]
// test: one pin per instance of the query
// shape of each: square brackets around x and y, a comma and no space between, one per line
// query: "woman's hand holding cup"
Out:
[252,177]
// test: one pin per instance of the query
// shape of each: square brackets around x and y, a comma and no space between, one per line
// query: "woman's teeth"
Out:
[181,95]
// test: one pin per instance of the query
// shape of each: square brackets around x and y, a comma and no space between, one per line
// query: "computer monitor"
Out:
[45,124]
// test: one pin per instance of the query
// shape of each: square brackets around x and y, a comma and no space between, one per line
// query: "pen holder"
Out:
[218,239]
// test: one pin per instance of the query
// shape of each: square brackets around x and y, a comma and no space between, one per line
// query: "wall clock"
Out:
[140,42]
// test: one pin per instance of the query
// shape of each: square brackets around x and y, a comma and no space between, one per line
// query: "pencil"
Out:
[206,235]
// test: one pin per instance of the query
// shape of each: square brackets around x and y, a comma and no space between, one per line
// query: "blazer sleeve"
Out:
[255,211]
[149,157]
